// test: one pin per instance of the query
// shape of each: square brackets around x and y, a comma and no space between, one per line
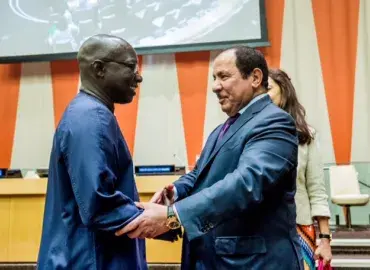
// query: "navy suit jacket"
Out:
[90,194]
[237,205]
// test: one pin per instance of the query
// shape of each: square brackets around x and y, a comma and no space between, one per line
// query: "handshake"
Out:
[156,221]
[165,196]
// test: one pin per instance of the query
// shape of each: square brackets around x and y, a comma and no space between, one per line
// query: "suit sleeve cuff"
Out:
[320,211]
[190,221]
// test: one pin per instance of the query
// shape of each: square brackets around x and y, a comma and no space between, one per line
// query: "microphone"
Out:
[182,163]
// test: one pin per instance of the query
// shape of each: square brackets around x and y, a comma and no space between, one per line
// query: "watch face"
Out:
[173,224]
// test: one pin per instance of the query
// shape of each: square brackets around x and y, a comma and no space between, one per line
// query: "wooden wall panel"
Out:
[4,228]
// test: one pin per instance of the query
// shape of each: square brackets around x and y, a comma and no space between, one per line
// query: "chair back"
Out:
[343,180]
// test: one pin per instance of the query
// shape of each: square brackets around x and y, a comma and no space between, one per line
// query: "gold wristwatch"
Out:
[172,221]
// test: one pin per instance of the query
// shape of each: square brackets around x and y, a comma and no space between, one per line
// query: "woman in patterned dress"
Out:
[311,197]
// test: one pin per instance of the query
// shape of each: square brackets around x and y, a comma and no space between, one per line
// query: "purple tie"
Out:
[227,124]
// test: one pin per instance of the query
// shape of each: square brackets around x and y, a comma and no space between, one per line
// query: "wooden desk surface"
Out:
[21,186]
[21,214]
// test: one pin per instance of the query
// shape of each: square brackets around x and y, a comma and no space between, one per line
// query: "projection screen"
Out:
[41,30]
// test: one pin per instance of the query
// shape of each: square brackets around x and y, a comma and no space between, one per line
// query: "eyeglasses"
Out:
[133,67]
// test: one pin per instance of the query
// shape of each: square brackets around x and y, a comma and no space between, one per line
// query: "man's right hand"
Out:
[165,196]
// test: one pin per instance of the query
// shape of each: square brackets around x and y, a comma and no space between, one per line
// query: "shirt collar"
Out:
[251,102]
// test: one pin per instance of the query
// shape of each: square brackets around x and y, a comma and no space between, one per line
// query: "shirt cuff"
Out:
[175,195]
[175,211]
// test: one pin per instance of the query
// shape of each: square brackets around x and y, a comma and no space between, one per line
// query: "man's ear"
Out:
[257,76]
[98,68]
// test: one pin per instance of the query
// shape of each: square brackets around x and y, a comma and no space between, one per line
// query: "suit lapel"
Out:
[241,121]
[230,133]
[210,145]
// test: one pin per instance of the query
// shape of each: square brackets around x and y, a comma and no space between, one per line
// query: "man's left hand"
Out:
[151,223]
[323,251]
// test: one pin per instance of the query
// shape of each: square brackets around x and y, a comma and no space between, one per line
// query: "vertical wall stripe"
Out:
[65,80]
[127,117]
[214,114]
[336,27]
[192,74]
[300,59]
[274,18]
[159,132]
[9,90]
[361,117]
[35,118]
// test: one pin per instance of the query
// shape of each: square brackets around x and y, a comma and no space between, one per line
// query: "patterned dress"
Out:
[307,239]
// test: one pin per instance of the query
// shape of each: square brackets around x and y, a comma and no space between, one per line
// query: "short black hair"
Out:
[247,59]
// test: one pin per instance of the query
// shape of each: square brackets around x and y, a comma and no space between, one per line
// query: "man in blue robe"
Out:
[91,188]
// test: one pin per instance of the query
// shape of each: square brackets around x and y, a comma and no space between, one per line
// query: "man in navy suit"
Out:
[91,189]
[237,206]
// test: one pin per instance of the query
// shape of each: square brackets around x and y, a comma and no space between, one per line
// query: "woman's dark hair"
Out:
[290,104]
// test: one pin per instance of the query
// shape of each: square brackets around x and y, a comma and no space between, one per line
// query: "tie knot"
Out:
[227,124]
[232,119]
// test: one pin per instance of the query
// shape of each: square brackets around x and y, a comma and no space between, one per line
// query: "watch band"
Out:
[323,235]
[170,212]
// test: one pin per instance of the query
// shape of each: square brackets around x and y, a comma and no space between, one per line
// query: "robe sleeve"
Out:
[89,151]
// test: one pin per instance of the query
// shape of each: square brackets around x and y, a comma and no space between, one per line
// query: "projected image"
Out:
[58,26]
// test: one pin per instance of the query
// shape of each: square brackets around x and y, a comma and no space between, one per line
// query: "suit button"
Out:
[208,226]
